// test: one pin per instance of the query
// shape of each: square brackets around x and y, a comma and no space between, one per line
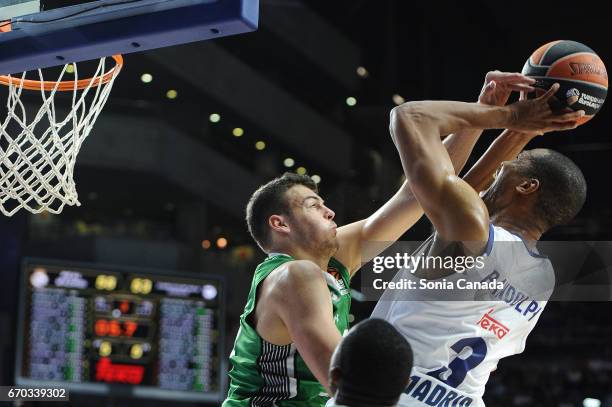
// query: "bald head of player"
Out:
[371,366]
[541,187]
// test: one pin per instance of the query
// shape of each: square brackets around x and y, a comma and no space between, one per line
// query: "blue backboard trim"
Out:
[107,27]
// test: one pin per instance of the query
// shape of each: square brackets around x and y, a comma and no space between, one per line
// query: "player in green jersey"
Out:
[298,304]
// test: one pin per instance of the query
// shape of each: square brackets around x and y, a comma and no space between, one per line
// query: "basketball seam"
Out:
[571,80]
[537,65]
[530,60]
[548,49]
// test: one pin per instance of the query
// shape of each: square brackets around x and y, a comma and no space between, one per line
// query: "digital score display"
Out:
[143,333]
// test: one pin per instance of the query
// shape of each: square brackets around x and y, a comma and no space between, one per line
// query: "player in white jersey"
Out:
[458,343]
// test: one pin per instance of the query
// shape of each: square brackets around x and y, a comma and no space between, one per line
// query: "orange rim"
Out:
[64,86]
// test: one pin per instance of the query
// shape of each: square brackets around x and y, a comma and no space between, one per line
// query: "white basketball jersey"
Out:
[457,344]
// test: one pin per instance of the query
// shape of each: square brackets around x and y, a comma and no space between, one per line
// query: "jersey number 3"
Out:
[459,367]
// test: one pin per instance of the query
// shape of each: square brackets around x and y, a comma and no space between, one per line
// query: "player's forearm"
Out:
[460,145]
[505,147]
[417,127]
[439,118]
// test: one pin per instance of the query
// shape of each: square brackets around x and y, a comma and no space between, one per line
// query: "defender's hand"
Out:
[498,87]
[536,115]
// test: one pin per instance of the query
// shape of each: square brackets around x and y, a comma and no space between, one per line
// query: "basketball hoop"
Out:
[38,154]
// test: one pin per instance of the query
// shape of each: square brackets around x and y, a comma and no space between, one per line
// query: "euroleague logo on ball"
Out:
[575,96]
[572,96]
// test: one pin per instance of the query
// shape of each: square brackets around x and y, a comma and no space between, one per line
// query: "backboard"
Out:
[93,29]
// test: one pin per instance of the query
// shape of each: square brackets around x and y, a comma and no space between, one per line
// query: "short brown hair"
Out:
[270,199]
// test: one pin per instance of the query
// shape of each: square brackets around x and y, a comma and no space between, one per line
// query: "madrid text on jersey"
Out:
[434,394]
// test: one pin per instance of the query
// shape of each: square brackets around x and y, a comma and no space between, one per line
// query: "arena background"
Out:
[160,182]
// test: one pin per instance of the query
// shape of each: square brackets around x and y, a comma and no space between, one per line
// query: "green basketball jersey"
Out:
[264,374]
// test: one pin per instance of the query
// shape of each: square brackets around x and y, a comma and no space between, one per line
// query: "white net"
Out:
[38,147]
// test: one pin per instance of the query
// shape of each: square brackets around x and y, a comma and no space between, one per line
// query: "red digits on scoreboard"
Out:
[114,329]
[124,307]
[106,371]
[129,327]
[103,327]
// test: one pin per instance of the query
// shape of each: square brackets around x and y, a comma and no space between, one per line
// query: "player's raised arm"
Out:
[303,304]
[496,91]
[450,203]
[402,210]
[505,147]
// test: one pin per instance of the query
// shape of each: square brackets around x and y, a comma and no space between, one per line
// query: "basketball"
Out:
[577,68]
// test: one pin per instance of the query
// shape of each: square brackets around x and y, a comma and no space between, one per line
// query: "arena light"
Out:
[351,101]
[260,145]
[209,292]
[316,179]
[70,68]
[206,244]
[301,170]
[214,118]
[238,132]
[288,162]
[589,402]
[362,72]
[172,94]
[398,99]
[222,243]
[145,78]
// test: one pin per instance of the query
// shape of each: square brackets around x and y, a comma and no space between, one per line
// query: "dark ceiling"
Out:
[419,50]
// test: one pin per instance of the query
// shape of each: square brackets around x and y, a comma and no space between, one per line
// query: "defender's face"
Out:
[311,222]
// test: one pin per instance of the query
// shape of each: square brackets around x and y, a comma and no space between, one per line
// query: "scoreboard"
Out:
[135,333]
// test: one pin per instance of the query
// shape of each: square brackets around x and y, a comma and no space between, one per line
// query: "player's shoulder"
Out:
[513,253]
[296,274]
[515,244]
[501,234]
[503,244]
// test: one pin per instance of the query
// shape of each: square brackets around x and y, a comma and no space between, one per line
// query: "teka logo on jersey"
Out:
[488,323]
[581,68]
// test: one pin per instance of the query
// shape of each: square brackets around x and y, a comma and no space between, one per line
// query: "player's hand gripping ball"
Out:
[577,68]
